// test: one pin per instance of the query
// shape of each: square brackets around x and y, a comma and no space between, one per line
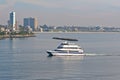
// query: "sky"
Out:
[63,12]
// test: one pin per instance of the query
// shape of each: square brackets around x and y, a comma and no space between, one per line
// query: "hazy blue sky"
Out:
[64,12]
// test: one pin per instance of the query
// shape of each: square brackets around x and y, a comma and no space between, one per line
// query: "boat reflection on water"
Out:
[70,58]
[71,65]
[67,59]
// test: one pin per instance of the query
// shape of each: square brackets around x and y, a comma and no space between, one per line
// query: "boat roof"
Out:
[67,39]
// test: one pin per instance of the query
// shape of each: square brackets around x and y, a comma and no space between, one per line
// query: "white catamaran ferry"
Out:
[66,48]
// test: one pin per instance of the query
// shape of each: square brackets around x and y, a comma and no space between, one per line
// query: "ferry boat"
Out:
[66,48]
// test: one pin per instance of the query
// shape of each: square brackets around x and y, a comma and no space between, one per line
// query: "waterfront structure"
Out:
[12,21]
[32,22]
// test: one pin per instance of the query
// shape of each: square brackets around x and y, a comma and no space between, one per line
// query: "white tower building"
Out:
[12,21]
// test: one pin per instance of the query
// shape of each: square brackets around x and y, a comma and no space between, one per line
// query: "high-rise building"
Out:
[32,22]
[12,21]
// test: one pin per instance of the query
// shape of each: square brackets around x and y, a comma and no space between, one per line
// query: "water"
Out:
[26,58]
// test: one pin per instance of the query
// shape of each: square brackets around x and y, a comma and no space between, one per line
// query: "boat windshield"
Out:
[64,43]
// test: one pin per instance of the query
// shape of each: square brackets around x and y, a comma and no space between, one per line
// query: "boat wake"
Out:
[95,54]
[81,57]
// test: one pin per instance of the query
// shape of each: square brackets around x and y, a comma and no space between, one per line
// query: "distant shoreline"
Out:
[16,36]
[74,32]
[33,35]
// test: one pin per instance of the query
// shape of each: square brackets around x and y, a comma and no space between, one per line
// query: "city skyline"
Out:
[31,22]
[63,12]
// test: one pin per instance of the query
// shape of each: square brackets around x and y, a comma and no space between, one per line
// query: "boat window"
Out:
[64,43]
[59,47]
[61,51]
[74,52]
[68,47]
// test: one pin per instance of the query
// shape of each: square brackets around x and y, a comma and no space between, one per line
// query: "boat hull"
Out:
[53,53]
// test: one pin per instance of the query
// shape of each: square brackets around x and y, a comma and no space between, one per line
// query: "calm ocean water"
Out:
[26,58]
